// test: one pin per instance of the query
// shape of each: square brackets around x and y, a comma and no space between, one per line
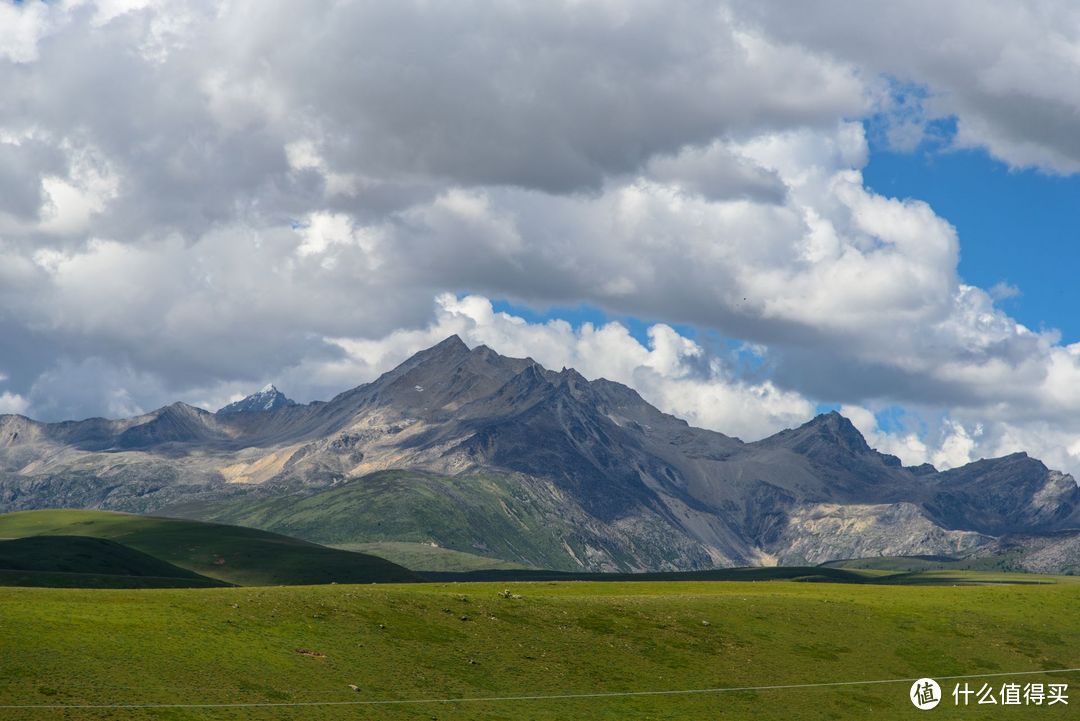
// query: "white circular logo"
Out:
[925,694]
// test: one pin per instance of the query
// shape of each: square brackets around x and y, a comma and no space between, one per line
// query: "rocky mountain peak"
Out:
[572,381]
[269,398]
[442,378]
[835,429]
[450,346]
[179,409]
[443,357]
[834,422]
[824,434]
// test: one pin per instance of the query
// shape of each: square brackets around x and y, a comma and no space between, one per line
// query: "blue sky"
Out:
[1020,227]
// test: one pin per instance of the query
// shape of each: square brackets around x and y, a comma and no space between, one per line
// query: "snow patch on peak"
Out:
[267,399]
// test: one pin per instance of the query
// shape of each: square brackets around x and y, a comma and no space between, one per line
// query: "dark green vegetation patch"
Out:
[241,556]
[78,561]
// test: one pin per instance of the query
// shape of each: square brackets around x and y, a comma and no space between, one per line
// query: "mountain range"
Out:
[474,451]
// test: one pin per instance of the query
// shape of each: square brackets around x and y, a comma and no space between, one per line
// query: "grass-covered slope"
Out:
[425,557]
[430,641]
[242,556]
[486,514]
[73,561]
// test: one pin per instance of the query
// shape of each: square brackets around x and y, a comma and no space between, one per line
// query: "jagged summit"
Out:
[825,431]
[442,378]
[269,398]
[451,345]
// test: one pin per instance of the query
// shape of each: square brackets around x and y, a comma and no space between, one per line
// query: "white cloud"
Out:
[304,155]
[71,201]
[1003,290]
[906,445]
[107,10]
[949,445]
[956,446]
[998,68]
[21,27]
[13,403]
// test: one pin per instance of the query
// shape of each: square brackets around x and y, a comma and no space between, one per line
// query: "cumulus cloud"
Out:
[908,445]
[195,197]
[12,403]
[21,28]
[998,69]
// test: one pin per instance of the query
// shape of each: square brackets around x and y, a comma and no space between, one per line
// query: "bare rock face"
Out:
[825,532]
[1005,495]
[1057,552]
[607,481]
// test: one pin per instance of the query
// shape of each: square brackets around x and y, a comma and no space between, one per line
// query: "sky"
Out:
[750,212]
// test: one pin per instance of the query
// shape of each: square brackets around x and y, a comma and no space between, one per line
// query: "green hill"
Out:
[241,556]
[489,514]
[298,645]
[69,560]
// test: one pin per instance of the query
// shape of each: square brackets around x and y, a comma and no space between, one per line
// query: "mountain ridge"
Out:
[628,486]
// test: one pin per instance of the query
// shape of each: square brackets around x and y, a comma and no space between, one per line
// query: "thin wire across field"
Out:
[529,697]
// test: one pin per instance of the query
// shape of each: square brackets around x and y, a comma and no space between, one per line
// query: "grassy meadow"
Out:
[421,641]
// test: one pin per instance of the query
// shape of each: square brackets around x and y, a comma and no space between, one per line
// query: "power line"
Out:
[531,697]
